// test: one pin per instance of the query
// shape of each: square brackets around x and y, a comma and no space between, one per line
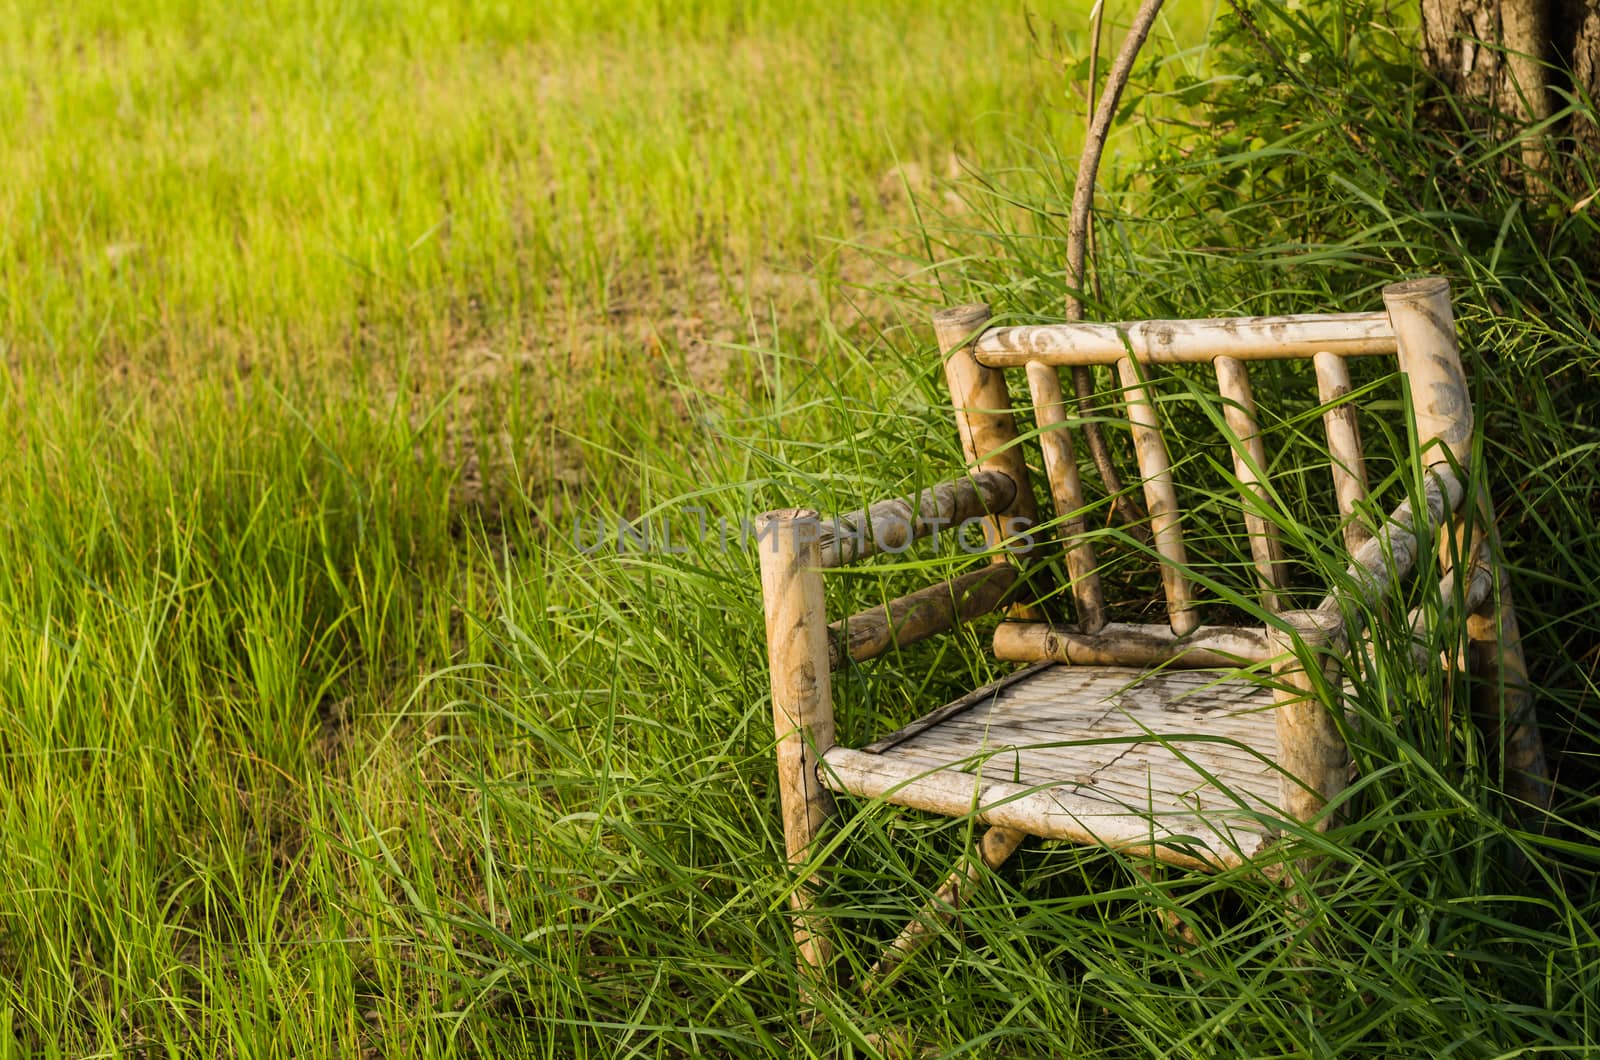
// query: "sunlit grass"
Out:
[323,324]
[296,184]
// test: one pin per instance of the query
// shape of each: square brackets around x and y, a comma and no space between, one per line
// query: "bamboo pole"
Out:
[919,615]
[993,848]
[1387,557]
[1459,593]
[1503,698]
[1310,750]
[1189,341]
[1425,336]
[1424,329]
[1066,490]
[1249,466]
[988,433]
[1161,496]
[983,416]
[892,525]
[1126,644]
[802,699]
[1502,695]
[1425,332]
[1344,444]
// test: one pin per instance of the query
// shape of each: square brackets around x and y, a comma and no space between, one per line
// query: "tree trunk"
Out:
[1583,22]
[1512,61]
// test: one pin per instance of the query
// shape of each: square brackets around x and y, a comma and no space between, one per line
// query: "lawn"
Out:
[335,332]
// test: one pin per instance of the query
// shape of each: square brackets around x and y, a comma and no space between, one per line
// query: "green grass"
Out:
[287,183]
[322,327]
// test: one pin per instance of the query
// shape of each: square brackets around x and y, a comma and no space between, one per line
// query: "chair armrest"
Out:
[919,615]
[892,525]
[1386,558]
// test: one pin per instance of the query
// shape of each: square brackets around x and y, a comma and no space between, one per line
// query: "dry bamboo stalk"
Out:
[1066,490]
[1453,596]
[1425,332]
[994,847]
[1161,497]
[1249,465]
[1504,697]
[1125,644]
[983,416]
[988,432]
[1189,839]
[1386,559]
[1425,336]
[919,615]
[1344,444]
[1310,749]
[1502,693]
[892,525]
[802,698]
[1189,341]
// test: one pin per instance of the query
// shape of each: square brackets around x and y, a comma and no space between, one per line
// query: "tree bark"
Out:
[1511,61]
[1582,20]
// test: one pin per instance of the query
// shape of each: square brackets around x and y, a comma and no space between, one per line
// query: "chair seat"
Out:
[1178,763]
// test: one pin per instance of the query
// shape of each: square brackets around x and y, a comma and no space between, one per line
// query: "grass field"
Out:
[325,325]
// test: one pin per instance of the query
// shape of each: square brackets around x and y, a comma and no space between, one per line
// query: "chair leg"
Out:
[1503,699]
[802,702]
[1177,929]
[1311,750]
[995,846]
[812,943]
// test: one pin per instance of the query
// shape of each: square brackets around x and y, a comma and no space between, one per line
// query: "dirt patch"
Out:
[520,404]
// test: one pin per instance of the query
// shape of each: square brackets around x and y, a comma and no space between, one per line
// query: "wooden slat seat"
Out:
[1180,763]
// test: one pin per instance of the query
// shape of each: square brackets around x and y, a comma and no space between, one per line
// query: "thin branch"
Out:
[1079,227]
[1096,20]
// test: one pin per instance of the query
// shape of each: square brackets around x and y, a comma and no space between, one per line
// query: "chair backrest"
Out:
[1416,330]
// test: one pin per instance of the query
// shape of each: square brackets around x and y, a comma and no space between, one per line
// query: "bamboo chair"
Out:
[1153,739]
